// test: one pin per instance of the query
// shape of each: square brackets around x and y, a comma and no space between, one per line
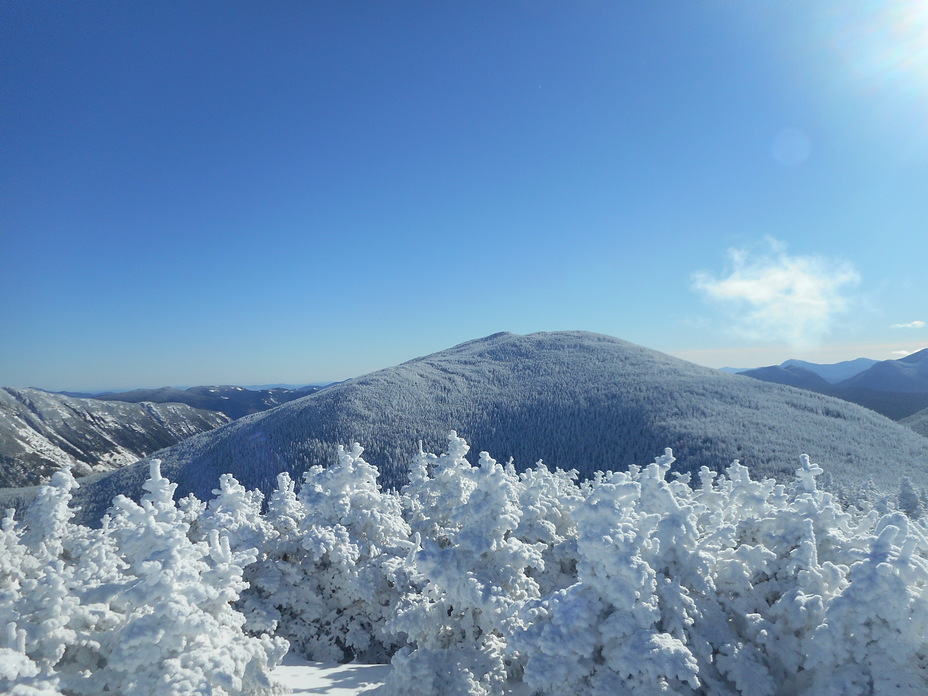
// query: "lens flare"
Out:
[885,47]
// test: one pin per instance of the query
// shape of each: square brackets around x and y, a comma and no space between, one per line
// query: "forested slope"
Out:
[918,422]
[233,401]
[578,400]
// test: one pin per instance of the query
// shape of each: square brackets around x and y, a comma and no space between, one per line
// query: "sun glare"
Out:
[885,46]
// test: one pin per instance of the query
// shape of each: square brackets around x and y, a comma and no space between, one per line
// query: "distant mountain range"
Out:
[578,400]
[895,388]
[234,402]
[835,372]
[40,431]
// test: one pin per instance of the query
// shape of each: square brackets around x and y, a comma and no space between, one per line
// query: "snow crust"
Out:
[472,580]
[299,676]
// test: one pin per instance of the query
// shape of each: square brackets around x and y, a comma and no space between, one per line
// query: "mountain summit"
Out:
[578,400]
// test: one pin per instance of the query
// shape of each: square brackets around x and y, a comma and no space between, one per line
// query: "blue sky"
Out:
[243,192]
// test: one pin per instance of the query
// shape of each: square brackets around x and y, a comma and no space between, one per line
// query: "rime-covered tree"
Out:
[474,569]
[339,563]
[180,634]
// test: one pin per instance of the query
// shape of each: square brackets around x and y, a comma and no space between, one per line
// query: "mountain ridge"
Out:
[40,431]
[893,388]
[575,399]
[790,375]
[834,372]
[233,401]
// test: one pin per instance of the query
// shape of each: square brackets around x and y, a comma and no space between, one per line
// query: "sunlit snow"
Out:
[472,580]
[301,676]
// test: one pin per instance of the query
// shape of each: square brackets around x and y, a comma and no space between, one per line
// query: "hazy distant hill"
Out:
[836,372]
[578,400]
[894,388]
[41,431]
[908,375]
[791,376]
[235,402]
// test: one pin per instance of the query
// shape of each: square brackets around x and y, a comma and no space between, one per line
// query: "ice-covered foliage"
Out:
[472,569]
[136,606]
[724,585]
[733,586]
[336,566]
[470,578]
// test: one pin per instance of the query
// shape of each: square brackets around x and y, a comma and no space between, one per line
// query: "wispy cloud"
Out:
[775,296]
[910,325]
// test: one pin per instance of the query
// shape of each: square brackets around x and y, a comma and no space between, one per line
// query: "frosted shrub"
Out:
[339,563]
[909,500]
[20,675]
[473,570]
[634,582]
[608,632]
[471,578]
[438,485]
[547,500]
[235,512]
[277,570]
[732,587]
[134,607]
[871,639]
[41,614]
[181,634]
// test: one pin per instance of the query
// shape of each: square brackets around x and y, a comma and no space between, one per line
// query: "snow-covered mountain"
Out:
[40,431]
[233,401]
[575,399]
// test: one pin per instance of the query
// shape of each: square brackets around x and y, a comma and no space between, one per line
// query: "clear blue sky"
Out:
[246,192]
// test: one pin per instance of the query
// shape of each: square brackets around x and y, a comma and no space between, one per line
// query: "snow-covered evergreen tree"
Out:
[180,634]
[20,674]
[42,612]
[633,582]
[339,563]
[607,633]
[475,570]
[133,607]
[547,500]
[872,634]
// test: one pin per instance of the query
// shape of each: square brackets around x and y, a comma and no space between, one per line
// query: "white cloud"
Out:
[778,297]
[910,325]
